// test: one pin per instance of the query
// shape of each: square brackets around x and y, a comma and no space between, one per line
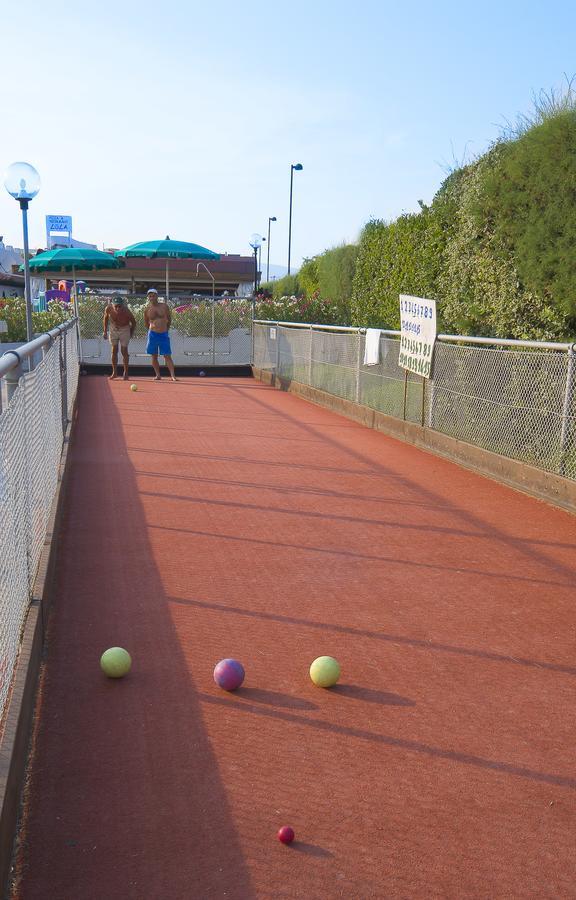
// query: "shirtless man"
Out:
[158,318]
[122,325]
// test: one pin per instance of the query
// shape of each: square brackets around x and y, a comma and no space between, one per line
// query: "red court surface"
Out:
[220,518]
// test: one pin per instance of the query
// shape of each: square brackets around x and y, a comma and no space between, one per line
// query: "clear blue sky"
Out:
[152,119]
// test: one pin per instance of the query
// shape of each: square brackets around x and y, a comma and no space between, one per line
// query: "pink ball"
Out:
[286,834]
[229,674]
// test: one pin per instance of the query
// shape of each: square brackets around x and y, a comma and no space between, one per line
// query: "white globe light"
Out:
[22,181]
[256,241]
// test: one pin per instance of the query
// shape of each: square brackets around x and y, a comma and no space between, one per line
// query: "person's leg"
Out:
[170,364]
[156,366]
[125,360]
[114,359]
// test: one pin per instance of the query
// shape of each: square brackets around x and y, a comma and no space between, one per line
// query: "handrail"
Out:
[446,338]
[13,358]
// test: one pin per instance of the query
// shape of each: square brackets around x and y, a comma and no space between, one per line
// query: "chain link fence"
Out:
[34,411]
[202,333]
[513,399]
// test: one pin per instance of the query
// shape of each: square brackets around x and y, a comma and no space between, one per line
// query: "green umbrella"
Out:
[68,259]
[167,249]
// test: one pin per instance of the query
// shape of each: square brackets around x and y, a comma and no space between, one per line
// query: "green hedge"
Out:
[495,247]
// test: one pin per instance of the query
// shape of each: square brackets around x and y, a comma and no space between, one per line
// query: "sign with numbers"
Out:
[417,334]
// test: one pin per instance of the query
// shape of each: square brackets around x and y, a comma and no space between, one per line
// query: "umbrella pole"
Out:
[77,314]
[167,281]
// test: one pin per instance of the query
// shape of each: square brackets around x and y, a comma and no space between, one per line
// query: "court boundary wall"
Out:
[538,483]
[17,733]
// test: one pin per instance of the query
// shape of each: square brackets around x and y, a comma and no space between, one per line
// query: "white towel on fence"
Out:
[372,347]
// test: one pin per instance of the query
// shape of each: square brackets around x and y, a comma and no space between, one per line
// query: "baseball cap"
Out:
[151,291]
[117,300]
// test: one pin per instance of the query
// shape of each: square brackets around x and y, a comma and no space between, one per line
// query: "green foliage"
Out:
[308,281]
[336,269]
[284,287]
[495,247]
[13,312]
[401,257]
[529,200]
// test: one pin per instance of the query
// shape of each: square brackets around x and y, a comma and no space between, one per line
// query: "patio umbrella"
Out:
[167,249]
[68,259]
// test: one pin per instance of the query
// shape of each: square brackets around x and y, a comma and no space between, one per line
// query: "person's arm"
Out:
[168,316]
[105,322]
[132,324]
[146,319]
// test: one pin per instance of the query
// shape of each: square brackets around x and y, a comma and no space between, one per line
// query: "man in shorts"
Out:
[119,321]
[158,317]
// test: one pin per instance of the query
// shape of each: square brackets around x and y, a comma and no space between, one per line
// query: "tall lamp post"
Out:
[260,256]
[270,219]
[293,168]
[22,182]
[256,243]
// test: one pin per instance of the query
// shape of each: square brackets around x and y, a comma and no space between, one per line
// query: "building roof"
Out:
[230,271]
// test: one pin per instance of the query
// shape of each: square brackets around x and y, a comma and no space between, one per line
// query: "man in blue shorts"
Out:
[158,317]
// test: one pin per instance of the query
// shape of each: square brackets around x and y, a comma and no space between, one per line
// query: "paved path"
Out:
[219,517]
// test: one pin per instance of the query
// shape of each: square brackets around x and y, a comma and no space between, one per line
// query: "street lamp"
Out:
[260,257]
[22,182]
[256,243]
[293,168]
[270,219]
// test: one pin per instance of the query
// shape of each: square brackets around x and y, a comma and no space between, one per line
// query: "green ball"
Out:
[115,662]
[325,671]
[133,387]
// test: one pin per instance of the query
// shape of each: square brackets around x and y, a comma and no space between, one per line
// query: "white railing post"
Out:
[277,364]
[358,366]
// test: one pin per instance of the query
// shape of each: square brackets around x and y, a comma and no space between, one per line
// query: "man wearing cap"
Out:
[158,318]
[119,321]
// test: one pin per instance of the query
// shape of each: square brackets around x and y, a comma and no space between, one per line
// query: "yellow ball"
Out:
[116,662]
[133,387]
[325,671]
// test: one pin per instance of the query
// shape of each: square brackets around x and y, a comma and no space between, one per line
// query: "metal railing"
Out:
[515,398]
[35,407]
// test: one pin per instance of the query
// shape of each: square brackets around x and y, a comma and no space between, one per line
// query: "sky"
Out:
[147,119]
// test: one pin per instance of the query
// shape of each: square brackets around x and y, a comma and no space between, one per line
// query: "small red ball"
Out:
[286,834]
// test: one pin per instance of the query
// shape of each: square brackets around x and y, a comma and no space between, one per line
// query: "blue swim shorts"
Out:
[158,343]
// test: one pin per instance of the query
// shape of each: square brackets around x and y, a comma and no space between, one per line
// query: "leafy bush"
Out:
[13,312]
[308,279]
[401,257]
[528,199]
[495,247]
[336,269]
[298,309]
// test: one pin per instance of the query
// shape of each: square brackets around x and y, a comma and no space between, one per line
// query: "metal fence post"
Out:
[64,381]
[358,366]
[431,403]
[568,400]
[310,356]
[213,335]
[278,333]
